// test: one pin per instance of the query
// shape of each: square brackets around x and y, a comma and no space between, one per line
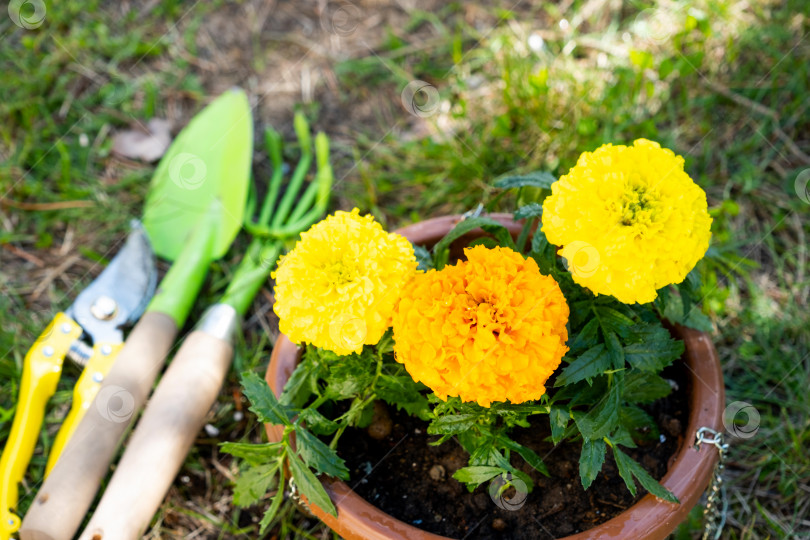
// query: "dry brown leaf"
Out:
[145,146]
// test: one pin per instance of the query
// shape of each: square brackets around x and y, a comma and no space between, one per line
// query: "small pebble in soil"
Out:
[498,524]
[662,438]
[673,426]
[438,473]
[211,430]
[381,424]
[238,416]
[565,469]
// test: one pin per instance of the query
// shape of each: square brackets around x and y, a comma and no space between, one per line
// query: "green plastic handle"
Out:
[179,288]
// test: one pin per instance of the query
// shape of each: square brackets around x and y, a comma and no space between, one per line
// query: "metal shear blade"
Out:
[120,294]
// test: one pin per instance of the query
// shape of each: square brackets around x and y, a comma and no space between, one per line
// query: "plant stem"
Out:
[251,273]
[302,132]
[274,144]
[524,234]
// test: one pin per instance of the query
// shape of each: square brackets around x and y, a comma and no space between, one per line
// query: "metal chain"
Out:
[474,213]
[714,515]
[294,495]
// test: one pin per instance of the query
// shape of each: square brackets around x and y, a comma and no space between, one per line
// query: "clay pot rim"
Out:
[688,474]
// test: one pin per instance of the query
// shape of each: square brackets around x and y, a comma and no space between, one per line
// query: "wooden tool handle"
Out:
[159,445]
[67,493]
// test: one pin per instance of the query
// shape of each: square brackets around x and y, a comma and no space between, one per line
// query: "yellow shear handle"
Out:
[84,392]
[41,371]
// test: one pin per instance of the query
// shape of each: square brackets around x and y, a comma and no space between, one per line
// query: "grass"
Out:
[723,83]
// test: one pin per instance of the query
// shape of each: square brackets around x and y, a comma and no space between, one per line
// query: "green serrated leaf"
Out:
[520,475]
[539,179]
[588,365]
[423,258]
[469,440]
[404,393]
[310,486]
[319,456]
[527,454]
[486,454]
[623,464]
[614,350]
[559,418]
[698,320]
[528,408]
[648,333]
[316,422]
[584,393]
[644,387]
[585,338]
[451,424]
[300,385]
[489,225]
[272,511]
[612,320]
[489,243]
[529,211]
[253,483]
[691,285]
[629,469]
[350,376]
[540,243]
[638,423]
[360,413]
[591,460]
[476,475]
[652,348]
[263,401]
[622,435]
[603,417]
[501,234]
[671,305]
[254,454]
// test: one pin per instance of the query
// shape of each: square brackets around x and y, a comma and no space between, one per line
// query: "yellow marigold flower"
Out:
[629,220]
[338,287]
[491,328]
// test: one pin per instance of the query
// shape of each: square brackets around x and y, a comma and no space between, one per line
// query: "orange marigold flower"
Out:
[490,328]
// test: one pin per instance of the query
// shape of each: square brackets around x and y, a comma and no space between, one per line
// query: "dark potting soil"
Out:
[406,477]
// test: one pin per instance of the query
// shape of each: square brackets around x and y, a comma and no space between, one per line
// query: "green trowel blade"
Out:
[205,171]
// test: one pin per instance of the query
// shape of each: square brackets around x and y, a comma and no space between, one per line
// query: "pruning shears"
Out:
[90,333]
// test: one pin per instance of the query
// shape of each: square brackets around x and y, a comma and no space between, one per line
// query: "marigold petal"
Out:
[338,288]
[489,328]
[629,220]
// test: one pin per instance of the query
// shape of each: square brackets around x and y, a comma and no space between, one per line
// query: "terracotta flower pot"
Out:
[687,476]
